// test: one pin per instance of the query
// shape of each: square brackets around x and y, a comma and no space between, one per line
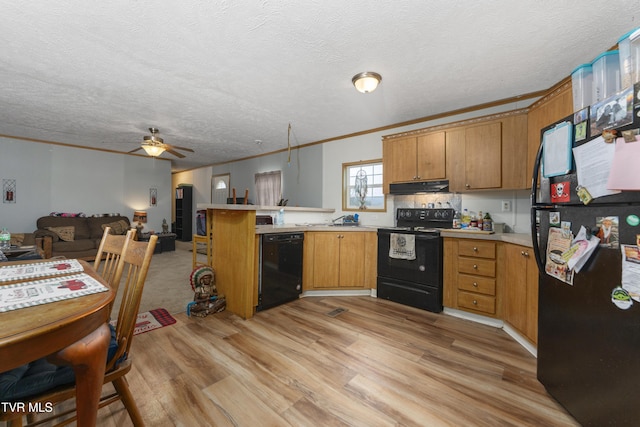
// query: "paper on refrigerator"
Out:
[593,166]
[631,271]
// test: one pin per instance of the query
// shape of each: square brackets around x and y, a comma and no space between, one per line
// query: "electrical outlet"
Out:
[506,206]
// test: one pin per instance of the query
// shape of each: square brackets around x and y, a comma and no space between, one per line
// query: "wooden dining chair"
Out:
[108,256]
[133,267]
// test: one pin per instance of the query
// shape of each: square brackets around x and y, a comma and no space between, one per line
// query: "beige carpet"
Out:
[167,285]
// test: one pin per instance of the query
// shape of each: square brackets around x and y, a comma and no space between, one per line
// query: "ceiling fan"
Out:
[153,145]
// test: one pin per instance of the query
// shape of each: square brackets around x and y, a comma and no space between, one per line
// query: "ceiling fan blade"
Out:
[133,151]
[175,147]
[175,153]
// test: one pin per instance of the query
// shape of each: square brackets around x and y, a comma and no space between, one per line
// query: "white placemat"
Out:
[39,269]
[28,294]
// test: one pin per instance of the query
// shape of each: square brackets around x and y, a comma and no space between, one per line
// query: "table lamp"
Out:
[141,218]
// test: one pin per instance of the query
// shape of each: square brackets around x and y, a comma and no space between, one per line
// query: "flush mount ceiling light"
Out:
[366,82]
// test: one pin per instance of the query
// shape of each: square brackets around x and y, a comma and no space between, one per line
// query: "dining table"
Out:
[69,329]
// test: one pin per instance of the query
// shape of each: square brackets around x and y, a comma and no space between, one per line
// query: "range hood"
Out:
[419,187]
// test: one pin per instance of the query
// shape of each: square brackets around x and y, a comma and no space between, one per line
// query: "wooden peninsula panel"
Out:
[234,258]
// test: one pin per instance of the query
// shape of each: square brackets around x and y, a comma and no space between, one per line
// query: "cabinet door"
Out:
[431,156]
[327,260]
[352,251]
[483,156]
[455,154]
[515,287]
[515,173]
[399,160]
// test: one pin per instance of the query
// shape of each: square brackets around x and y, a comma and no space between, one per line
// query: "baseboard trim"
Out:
[489,321]
[521,340]
[340,293]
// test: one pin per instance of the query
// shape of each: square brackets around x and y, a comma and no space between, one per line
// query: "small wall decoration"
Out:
[9,190]
[153,197]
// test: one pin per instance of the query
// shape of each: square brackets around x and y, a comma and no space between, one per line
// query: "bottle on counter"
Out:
[480,219]
[487,222]
[5,239]
[457,220]
[466,218]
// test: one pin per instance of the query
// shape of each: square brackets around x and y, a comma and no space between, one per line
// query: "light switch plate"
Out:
[506,206]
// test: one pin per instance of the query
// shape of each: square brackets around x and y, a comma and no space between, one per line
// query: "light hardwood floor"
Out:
[376,364]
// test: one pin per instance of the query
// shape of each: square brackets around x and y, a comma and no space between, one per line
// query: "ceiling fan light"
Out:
[366,82]
[153,150]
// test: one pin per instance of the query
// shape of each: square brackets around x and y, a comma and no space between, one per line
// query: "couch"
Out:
[76,236]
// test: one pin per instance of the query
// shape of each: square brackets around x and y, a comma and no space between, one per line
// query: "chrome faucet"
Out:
[333,221]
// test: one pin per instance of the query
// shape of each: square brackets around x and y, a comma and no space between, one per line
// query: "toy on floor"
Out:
[206,299]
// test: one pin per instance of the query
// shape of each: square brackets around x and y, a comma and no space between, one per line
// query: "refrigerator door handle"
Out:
[535,240]
[535,208]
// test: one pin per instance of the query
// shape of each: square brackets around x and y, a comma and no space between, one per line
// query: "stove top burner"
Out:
[430,219]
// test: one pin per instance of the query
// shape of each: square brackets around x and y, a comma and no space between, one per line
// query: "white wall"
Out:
[368,147]
[314,178]
[55,178]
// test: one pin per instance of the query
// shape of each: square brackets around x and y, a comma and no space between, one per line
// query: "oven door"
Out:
[426,269]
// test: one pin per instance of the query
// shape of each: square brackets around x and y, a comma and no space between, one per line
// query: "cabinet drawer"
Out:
[477,302]
[483,285]
[477,248]
[475,266]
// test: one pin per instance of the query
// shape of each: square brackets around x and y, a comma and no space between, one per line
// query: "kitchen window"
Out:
[268,188]
[362,186]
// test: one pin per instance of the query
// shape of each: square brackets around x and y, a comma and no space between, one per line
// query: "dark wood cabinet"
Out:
[184,213]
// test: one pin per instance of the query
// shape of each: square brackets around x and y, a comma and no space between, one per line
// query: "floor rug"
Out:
[150,320]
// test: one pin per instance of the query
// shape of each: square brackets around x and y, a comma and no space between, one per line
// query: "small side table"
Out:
[166,241]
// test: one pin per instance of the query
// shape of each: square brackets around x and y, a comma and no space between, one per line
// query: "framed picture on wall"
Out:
[153,197]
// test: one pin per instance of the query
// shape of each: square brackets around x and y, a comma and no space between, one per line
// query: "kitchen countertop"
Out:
[296,228]
[523,239]
[263,208]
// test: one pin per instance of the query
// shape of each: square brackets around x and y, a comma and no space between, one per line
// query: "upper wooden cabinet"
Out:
[414,158]
[491,154]
[554,106]
[483,153]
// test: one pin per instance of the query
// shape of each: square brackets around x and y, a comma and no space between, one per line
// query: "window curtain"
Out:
[268,188]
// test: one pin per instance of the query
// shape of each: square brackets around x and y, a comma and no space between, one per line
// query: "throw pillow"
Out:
[117,227]
[64,233]
[17,239]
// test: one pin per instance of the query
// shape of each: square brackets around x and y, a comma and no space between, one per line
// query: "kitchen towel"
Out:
[402,246]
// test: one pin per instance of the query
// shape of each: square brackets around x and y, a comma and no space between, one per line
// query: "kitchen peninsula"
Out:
[236,244]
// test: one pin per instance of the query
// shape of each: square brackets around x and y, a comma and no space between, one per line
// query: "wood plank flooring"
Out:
[376,364]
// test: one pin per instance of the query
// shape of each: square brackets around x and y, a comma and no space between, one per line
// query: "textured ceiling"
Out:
[216,76]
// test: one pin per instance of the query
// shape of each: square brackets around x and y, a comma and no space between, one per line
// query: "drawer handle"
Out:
[475,267]
[475,249]
[475,284]
[526,254]
[475,302]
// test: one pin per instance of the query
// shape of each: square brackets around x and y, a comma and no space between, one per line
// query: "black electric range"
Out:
[410,258]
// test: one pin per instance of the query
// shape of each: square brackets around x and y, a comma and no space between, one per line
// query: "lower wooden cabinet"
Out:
[521,290]
[340,259]
[494,279]
[471,276]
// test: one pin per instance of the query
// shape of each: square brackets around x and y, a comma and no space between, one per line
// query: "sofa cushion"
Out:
[95,224]
[64,233]
[80,224]
[117,227]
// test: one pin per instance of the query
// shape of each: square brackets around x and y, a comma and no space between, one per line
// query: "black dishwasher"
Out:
[280,276]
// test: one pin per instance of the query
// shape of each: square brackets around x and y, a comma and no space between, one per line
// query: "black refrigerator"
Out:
[588,341]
